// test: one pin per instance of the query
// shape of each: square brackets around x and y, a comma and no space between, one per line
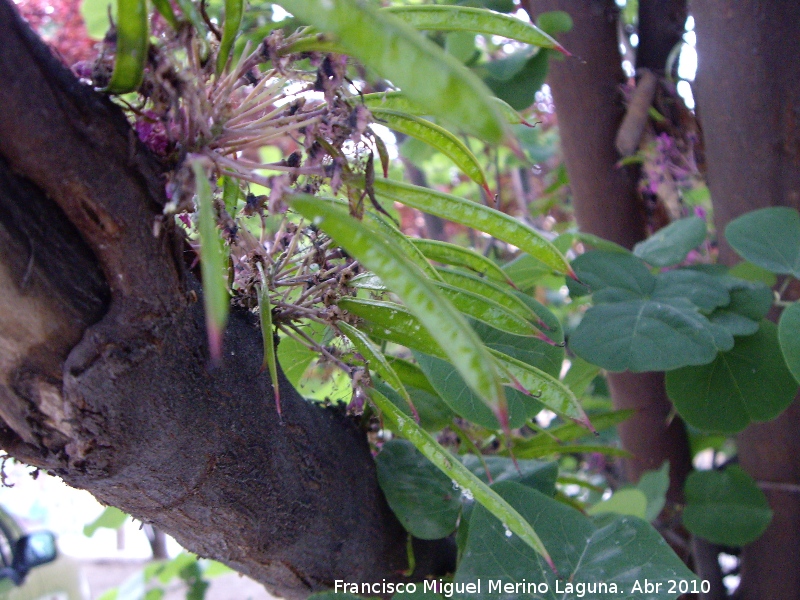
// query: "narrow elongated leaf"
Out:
[453,334]
[265,314]
[399,101]
[437,137]
[572,431]
[451,254]
[487,310]
[377,361]
[165,10]
[434,414]
[453,468]
[429,76]
[477,216]
[789,337]
[553,448]
[133,33]
[725,507]
[233,19]
[488,289]
[212,264]
[392,322]
[769,238]
[545,388]
[463,18]
[410,374]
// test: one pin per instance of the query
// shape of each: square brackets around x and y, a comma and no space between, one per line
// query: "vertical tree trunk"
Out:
[586,93]
[748,97]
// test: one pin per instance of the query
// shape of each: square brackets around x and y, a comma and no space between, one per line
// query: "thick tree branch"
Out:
[104,378]
[748,98]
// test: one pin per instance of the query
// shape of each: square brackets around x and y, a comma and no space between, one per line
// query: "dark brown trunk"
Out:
[588,100]
[748,97]
[103,370]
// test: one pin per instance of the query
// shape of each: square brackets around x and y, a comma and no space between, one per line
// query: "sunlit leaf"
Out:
[429,76]
[627,501]
[165,10]
[477,216]
[453,468]
[133,33]
[462,18]
[110,518]
[399,102]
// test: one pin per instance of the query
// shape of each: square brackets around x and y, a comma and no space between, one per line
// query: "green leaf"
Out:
[462,18]
[492,291]
[429,76]
[133,33]
[552,448]
[789,337]
[643,335]
[487,310]
[477,216]
[585,552]
[410,374]
[580,375]
[212,263]
[296,357]
[110,518]
[725,507]
[750,272]
[377,361]
[769,238]
[537,474]
[437,137]
[532,351]
[670,245]
[398,101]
[627,501]
[233,20]
[265,315]
[451,254]
[517,78]
[434,414]
[95,16]
[554,21]
[419,493]
[453,390]
[453,334]
[403,243]
[447,463]
[749,383]
[644,322]
[654,485]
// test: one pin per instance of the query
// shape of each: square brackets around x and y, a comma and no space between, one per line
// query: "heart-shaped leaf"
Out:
[749,383]
[789,336]
[670,245]
[769,238]
[725,507]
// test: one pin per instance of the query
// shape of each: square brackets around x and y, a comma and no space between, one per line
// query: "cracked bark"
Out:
[103,364]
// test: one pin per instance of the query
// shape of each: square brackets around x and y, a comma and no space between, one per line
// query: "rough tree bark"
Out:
[588,101]
[748,97]
[103,365]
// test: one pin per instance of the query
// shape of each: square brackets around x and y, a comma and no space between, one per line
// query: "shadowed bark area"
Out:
[586,93]
[748,97]
[103,370]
